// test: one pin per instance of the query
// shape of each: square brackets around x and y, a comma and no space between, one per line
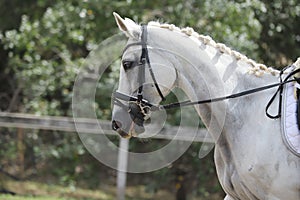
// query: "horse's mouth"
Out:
[132,132]
[124,134]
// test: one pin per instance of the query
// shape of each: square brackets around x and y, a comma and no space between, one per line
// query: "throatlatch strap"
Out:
[142,64]
[144,45]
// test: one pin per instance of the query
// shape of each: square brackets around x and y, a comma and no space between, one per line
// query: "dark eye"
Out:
[127,64]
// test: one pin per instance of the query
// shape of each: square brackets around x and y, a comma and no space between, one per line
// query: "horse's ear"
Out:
[129,27]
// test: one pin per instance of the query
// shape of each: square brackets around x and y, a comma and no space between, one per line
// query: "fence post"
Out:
[21,149]
[122,168]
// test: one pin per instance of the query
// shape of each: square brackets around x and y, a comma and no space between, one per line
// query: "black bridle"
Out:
[138,106]
[141,107]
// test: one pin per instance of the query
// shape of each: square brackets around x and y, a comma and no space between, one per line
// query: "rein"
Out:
[144,106]
[128,98]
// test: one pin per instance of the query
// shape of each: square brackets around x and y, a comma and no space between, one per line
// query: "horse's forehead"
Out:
[131,49]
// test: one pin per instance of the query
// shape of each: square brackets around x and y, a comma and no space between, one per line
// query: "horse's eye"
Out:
[127,64]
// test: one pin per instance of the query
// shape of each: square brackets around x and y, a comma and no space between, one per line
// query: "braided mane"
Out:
[257,69]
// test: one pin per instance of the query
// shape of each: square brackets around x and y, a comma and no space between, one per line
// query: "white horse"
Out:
[251,159]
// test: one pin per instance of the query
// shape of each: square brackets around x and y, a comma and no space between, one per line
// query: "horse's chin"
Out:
[133,132]
[124,134]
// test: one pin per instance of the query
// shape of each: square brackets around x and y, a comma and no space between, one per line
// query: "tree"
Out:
[279,40]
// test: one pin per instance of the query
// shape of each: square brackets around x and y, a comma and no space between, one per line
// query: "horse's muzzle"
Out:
[130,122]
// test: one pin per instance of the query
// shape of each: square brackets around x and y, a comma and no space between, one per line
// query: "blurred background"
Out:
[43,44]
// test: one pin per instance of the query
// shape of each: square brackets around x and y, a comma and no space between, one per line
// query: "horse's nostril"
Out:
[116,125]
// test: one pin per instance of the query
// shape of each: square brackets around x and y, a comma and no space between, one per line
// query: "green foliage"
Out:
[43,64]
[27,190]
[279,39]
[10,197]
[46,52]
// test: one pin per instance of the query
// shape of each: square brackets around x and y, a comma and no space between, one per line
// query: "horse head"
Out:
[146,76]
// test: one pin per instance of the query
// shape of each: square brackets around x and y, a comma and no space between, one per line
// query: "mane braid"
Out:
[257,69]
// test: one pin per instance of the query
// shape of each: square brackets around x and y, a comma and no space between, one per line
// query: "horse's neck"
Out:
[210,74]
